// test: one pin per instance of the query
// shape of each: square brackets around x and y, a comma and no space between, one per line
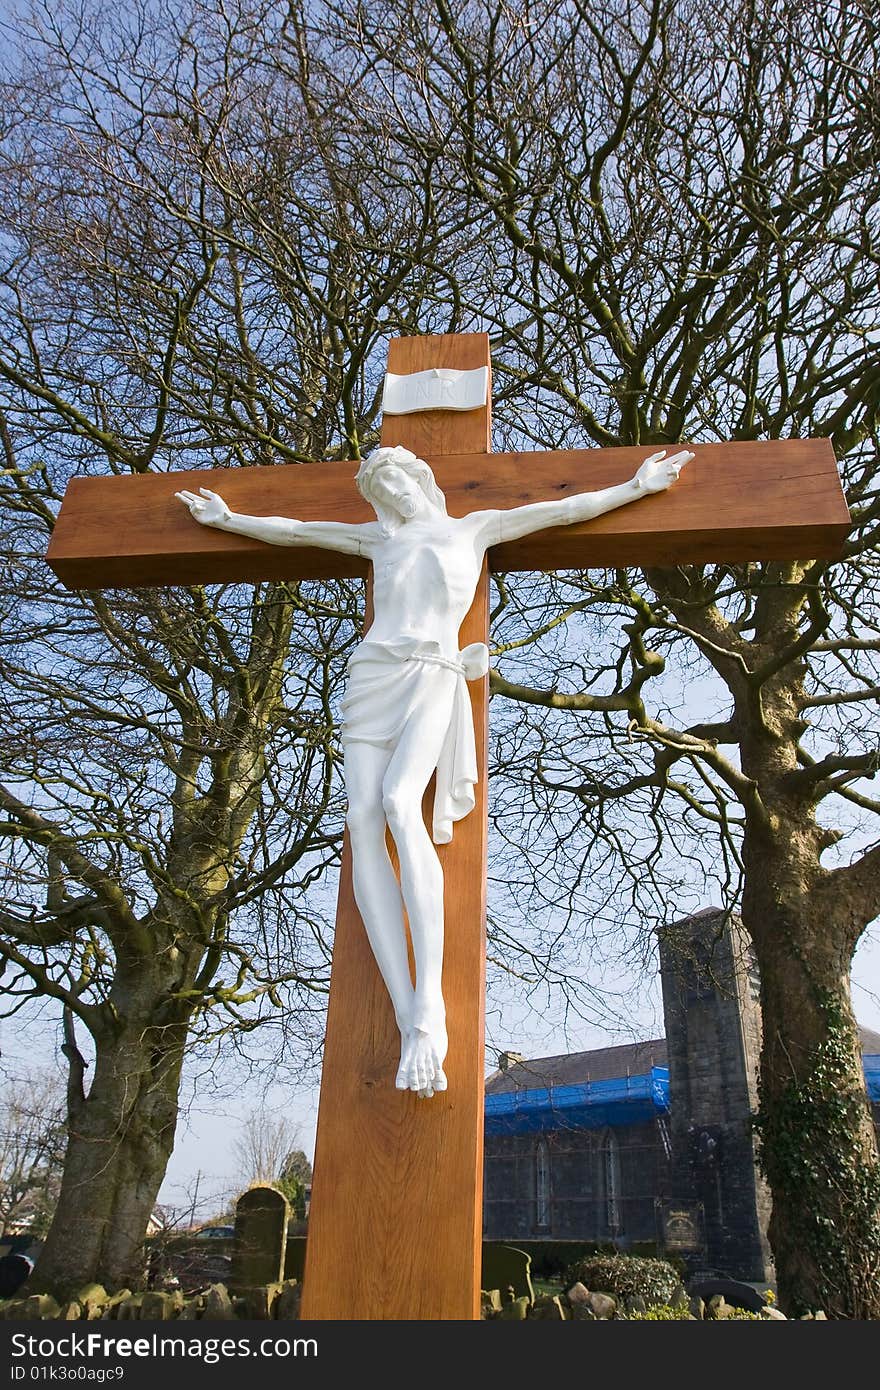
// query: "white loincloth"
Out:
[391,682]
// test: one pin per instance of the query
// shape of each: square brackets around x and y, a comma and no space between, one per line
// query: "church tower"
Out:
[713,1034]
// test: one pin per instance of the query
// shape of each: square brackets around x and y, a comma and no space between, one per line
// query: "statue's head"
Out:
[386,477]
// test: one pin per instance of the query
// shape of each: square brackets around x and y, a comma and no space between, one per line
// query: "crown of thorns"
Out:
[378,459]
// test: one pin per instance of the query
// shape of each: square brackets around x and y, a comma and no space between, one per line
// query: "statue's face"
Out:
[398,489]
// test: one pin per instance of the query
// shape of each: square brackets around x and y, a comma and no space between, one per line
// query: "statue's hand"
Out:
[209,508]
[658,472]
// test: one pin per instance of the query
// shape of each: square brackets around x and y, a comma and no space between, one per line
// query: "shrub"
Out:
[661,1312]
[625,1275]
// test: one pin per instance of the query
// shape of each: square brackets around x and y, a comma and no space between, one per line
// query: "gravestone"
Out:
[504,1266]
[260,1242]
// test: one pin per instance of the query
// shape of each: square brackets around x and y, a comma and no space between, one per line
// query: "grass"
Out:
[548,1286]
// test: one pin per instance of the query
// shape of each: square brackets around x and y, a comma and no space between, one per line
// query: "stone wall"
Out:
[92,1303]
[579,1205]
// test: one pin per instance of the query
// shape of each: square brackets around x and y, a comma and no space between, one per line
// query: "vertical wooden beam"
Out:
[395,1224]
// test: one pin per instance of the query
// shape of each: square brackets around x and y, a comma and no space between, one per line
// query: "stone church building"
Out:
[648,1143]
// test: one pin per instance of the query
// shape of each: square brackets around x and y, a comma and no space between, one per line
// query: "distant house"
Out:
[648,1142]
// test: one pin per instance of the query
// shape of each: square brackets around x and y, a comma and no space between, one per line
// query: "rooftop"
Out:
[604,1064]
[575,1068]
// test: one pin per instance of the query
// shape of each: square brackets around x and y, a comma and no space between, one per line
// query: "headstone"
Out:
[259,1246]
[504,1266]
[734,1292]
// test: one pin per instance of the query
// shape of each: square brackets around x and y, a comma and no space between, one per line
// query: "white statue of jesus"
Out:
[406,711]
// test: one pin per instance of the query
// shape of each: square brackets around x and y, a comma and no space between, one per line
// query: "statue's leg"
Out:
[376,890]
[421,879]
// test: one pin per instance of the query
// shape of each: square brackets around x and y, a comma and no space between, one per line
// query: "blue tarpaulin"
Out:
[627,1100]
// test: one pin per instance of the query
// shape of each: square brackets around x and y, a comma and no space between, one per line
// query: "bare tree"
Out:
[32,1137]
[189,274]
[262,1148]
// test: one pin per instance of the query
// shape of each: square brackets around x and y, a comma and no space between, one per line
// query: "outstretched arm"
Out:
[656,474]
[209,509]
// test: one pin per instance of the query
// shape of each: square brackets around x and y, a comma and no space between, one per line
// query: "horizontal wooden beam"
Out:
[771,500]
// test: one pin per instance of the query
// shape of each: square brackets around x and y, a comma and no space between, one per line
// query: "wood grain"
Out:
[770,500]
[396,1211]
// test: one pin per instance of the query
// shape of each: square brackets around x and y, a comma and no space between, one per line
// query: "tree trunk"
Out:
[817,1144]
[121,1137]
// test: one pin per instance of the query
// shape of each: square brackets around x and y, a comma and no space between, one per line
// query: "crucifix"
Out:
[395,1220]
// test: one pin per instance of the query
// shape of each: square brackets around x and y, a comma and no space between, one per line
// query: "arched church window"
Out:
[542,1183]
[610,1159]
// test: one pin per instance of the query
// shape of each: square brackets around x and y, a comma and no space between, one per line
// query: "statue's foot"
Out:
[422,1055]
[431,1025]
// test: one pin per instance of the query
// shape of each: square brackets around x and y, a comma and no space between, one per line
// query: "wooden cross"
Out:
[396,1210]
